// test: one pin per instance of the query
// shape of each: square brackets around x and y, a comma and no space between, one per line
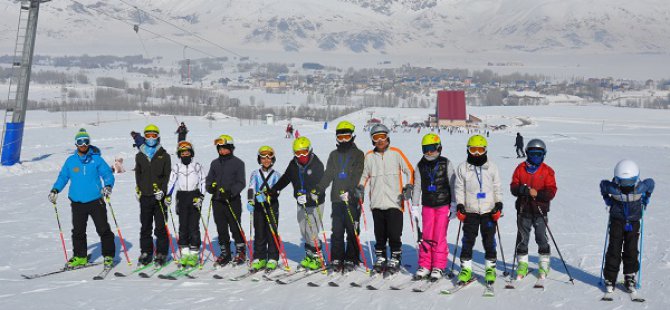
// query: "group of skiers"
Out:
[434,192]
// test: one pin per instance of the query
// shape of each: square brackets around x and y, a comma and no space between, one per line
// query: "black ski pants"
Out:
[483,223]
[266,217]
[97,210]
[388,228]
[225,222]
[341,223]
[524,223]
[189,219]
[152,214]
[622,245]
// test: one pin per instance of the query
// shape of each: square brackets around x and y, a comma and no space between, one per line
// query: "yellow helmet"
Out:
[152,128]
[302,143]
[477,140]
[225,141]
[430,139]
[345,126]
[266,151]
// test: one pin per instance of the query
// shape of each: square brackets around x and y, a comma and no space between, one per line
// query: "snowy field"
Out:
[584,144]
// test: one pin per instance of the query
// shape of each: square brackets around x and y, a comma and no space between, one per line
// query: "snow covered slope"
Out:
[584,144]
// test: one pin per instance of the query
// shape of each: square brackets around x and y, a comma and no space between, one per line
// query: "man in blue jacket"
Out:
[84,169]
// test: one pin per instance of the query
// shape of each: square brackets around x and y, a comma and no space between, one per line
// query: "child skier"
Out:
[382,168]
[534,185]
[225,181]
[189,179]
[265,215]
[343,169]
[152,172]
[85,168]
[304,172]
[433,179]
[627,197]
[479,205]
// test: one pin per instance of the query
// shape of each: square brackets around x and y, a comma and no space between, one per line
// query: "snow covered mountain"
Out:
[360,26]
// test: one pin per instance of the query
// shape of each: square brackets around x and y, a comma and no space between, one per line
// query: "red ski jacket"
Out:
[543,180]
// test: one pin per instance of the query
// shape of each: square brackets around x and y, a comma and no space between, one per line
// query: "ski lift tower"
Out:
[17,100]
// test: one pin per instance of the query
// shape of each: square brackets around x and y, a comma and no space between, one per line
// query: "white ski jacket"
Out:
[468,186]
[384,172]
[186,178]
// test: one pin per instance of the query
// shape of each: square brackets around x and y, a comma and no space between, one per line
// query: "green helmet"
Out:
[477,140]
[302,143]
[266,151]
[224,140]
[345,126]
[430,139]
[152,128]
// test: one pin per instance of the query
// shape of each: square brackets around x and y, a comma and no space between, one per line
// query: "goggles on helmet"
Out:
[535,152]
[477,150]
[379,137]
[344,137]
[266,154]
[430,148]
[82,141]
[627,182]
[301,153]
[151,135]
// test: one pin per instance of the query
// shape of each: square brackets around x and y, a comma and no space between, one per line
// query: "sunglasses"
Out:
[82,142]
[379,137]
[477,150]
[344,137]
[269,155]
[301,153]
[430,148]
[151,135]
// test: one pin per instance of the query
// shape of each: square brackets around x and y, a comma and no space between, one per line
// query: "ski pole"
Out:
[315,239]
[453,257]
[275,233]
[123,243]
[205,239]
[502,252]
[602,265]
[167,231]
[60,230]
[639,271]
[174,228]
[358,239]
[323,229]
[365,227]
[239,226]
[556,245]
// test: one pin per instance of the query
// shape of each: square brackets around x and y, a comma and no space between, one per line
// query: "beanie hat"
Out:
[81,134]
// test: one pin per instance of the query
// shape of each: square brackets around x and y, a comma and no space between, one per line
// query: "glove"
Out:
[53,196]
[197,202]
[524,190]
[407,192]
[414,211]
[645,199]
[222,194]
[460,212]
[159,194]
[212,188]
[496,213]
[344,196]
[168,201]
[138,193]
[106,191]
[250,206]
[359,192]
[498,206]
[314,195]
[302,199]
[260,197]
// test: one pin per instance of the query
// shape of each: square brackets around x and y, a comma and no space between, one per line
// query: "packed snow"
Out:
[584,144]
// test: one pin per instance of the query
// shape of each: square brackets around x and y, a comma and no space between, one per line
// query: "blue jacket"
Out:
[85,173]
[628,206]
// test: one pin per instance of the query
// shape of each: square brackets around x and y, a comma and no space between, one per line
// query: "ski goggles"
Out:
[535,153]
[477,150]
[220,142]
[82,142]
[301,153]
[430,148]
[266,154]
[379,137]
[626,182]
[151,135]
[344,137]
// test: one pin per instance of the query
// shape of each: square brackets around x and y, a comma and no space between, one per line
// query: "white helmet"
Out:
[626,173]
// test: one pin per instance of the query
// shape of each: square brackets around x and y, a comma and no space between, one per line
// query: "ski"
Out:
[325,279]
[425,285]
[153,271]
[373,276]
[336,281]
[387,279]
[634,296]
[539,283]
[286,274]
[405,284]
[103,273]
[248,273]
[608,296]
[220,272]
[181,272]
[457,287]
[510,281]
[267,272]
[64,269]
[297,277]
[488,290]
[136,270]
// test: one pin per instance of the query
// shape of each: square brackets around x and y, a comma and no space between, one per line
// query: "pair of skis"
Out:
[633,293]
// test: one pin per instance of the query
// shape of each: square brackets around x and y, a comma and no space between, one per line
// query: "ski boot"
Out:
[393,264]
[258,264]
[160,260]
[466,271]
[337,265]
[349,266]
[77,261]
[380,263]
[629,282]
[310,262]
[145,259]
[609,286]
[224,257]
[490,273]
[522,268]
[188,257]
[271,264]
[543,269]
[108,261]
[436,274]
[421,273]
[241,256]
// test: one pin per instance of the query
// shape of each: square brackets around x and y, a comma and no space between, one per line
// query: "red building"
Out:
[451,108]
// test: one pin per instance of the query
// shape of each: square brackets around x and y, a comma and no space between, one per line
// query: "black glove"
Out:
[497,207]
[460,208]
[359,192]
[212,188]
[407,191]
[524,190]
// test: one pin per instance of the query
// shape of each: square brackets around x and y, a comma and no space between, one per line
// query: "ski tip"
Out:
[118,274]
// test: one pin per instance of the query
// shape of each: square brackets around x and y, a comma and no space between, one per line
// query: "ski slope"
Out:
[584,144]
